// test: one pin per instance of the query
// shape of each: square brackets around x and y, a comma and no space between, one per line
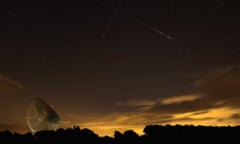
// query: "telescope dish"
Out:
[41,116]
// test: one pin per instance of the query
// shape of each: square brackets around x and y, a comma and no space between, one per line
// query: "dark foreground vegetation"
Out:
[153,134]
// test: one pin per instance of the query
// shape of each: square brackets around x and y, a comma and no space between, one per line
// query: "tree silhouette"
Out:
[153,134]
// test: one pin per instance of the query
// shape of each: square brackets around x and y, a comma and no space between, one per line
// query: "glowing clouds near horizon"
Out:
[41,116]
[214,101]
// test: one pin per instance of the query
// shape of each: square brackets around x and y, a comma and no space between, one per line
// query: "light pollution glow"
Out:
[108,124]
[214,103]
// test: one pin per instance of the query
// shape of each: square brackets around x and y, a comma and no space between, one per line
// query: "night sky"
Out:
[121,64]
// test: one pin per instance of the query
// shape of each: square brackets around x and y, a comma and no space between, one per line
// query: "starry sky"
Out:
[121,64]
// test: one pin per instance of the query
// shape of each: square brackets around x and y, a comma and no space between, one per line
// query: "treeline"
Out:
[153,134]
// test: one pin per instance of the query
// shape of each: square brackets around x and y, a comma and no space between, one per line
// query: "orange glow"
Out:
[179,99]
[106,125]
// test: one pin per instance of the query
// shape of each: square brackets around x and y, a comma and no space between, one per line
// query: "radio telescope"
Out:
[40,116]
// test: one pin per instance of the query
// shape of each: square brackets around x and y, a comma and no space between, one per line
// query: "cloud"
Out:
[235,116]
[9,81]
[108,123]
[176,108]
[215,88]
[215,101]
[137,103]
[200,112]
[179,99]
[221,85]
[9,85]
[12,91]
[169,105]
